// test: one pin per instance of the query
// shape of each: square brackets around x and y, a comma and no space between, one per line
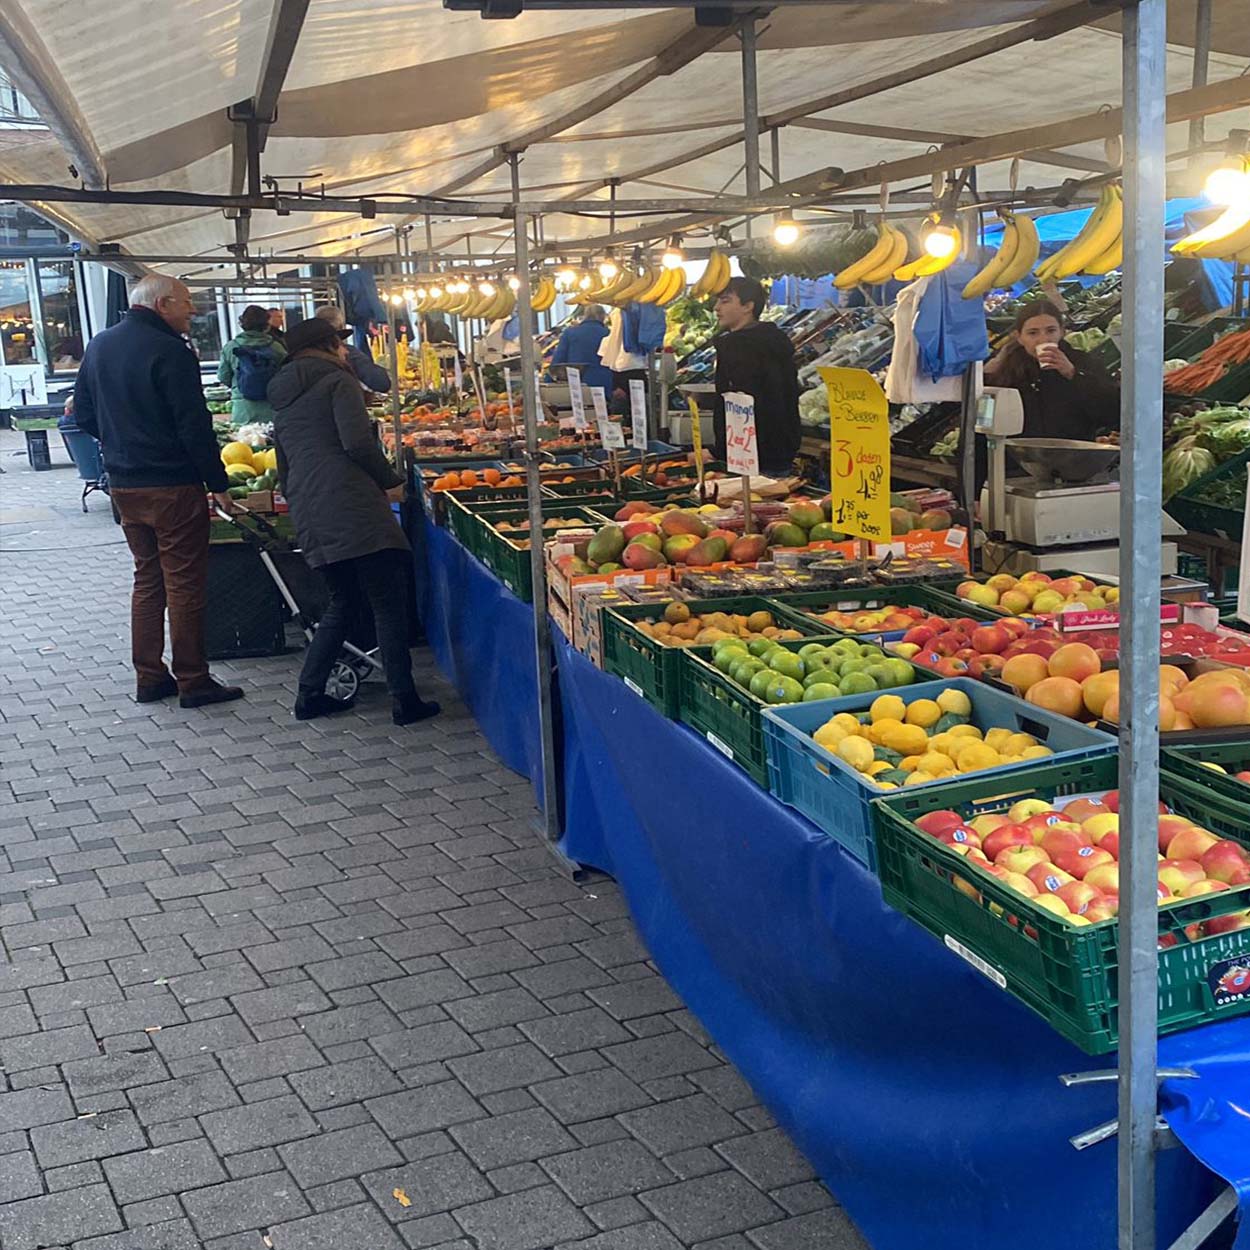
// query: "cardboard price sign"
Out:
[576,399]
[859,440]
[638,412]
[742,453]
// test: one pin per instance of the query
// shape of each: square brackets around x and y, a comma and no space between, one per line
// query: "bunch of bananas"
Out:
[1226,238]
[880,263]
[1016,256]
[926,264]
[715,278]
[666,288]
[488,305]
[543,295]
[1098,248]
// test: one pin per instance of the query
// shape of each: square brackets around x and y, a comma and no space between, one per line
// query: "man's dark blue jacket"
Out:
[139,393]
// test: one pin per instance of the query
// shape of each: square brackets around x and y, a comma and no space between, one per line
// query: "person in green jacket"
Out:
[248,363]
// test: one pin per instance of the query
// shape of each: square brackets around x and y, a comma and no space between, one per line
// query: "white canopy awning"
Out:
[401,97]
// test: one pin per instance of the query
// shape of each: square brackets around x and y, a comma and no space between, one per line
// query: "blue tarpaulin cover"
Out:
[926,1098]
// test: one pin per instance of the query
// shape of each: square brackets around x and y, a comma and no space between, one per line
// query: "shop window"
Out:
[205,328]
[62,329]
[17,331]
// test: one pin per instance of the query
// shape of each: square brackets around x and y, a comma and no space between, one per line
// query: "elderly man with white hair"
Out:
[139,393]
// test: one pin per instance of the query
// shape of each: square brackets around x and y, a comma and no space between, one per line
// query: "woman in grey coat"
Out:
[339,486]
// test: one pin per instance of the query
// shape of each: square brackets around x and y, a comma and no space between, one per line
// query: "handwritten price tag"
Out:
[742,452]
[638,412]
[859,439]
[611,434]
[576,398]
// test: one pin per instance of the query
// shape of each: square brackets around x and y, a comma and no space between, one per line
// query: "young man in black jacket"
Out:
[138,392]
[755,357]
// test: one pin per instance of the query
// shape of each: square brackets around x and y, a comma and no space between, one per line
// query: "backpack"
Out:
[253,368]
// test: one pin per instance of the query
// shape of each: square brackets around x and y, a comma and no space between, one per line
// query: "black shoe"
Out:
[411,708]
[153,694]
[310,706]
[214,692]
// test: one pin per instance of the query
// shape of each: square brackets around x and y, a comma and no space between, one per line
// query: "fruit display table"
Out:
[926,1098]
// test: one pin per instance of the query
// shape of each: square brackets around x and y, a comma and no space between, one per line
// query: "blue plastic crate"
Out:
[831,794]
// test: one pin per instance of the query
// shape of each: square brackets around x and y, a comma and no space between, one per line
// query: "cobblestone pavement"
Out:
[316,986]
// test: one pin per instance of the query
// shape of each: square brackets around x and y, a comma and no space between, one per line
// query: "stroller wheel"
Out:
[363,669]
[343,683]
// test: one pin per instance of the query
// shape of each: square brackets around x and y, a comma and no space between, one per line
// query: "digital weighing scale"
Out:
[1066,513]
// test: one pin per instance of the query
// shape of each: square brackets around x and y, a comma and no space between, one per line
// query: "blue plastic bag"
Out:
[950,330]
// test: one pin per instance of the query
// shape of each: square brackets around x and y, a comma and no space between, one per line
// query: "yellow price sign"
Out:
[859,443]
[696,435]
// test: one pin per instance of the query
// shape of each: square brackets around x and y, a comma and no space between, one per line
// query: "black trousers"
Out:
[380,578]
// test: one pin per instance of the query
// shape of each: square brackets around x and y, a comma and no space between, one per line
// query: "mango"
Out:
[639,556]
[748,549]
[784,534]
[677,547]
[606,546]
[682,523]
[805,515]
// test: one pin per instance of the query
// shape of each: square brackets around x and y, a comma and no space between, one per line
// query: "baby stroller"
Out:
[305,596]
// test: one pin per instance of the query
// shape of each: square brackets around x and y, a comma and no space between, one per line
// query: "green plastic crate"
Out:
[947,599]
[649,667]
[1195,513]
[510,563]
[1185,761]
[728,716]
[591,494]
[1068,975]
[803,607]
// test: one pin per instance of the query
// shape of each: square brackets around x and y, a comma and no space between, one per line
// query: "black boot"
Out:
[410,708]
[153,694]
[214,692]
[310,706]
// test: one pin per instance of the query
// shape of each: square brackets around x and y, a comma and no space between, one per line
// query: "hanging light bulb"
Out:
[608,269]
[420,293]
[940,242]
[436,292]
[462,287]
[673,255]
[514,283]
[397,299]
[786,231]
[1228,182]
[486,288]
[585,282]
[566,279]
[410,295]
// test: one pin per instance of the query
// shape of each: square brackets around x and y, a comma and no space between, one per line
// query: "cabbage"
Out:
[814,406]
[1185,464]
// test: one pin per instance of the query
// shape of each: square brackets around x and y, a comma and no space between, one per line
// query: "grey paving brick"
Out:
[22,974]
[334,1195]
[590,1095]
[338,1155]
[258,1124]
[213,938]
[202,1037]
[427,1043]
[233,1207]
[352,1226]
[170,1235]
[94,1137]
[432,939]
[283,1001]
[341,1083]
[649,1236]
[525,1221]
[133,1015]
[681,1124]
[608,1171]
[518,1137]
[183,1097]
[572,1031]
[672,1054]
[288,954]
[435,1184]
[253,1163]
[19,1176]
[617,1213]
[261,1060]
[726,1086]
[419,1110]
[441,986]
[490,1011]
[821,1230]
[711,1206]
[506,1067]
[39,1050]
[172,1169]
[195,987]
[349,1024]
[58,1218]
[165,962]
[153,1211]
[801,1198]
[518,1176]
[643,997]
[767,1159]
[16,1021]
[28,1108]
[697,1161]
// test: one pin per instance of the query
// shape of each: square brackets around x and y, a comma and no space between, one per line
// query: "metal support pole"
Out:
[392,353]
[533,484]
[750,112]
[1141,510]
[775,137]
[251,132]
[1202,57]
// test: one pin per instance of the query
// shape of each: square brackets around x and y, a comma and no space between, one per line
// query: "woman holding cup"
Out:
[1065,392]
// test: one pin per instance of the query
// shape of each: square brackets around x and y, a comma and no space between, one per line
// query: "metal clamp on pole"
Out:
[1164,1138]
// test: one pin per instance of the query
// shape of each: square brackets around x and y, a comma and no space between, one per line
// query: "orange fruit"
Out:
[451,481]
[468,479]
[492,477]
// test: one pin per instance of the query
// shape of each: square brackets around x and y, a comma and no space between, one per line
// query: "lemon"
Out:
[237,453]
[976,757]
[909,763]
[850,724]
[880,731]
[884,785]
[1215,768]
[937,765]
[907,740]
[918,779]
[878,766]
[887,707]
[941,742]
[829,735]
[997,737]
[955,702]
[923,712]
[857,752]
[1017,744]
[1038,752]
[964,731]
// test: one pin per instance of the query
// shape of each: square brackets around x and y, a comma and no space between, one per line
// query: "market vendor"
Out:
[1065,392]
[757,358]
[579,347]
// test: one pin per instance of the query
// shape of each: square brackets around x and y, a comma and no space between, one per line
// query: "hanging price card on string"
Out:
[742,453]
[696,436]
[611,434]
[576,399]
[859,439]
[638,413]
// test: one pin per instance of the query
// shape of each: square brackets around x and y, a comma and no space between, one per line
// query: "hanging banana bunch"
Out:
[878,263]
[1095,243]
[544,295]
[715,278]
[989,275]
[666,288]
[1226,237]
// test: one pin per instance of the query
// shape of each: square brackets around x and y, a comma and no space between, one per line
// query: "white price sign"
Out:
[507,381]
[459,374]
[599,400]
[611,434]
[576,399]
[638,412]
[742,453]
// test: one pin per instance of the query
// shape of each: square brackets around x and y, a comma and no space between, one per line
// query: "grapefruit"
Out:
[1075,660]
[1057,694]
[1024,671]
[1096,690]
[237,453]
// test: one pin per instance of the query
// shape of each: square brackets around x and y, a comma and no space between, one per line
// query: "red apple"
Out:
[987,822]
[1104,877]
[1169,827]
[933,823]
[1048,878]
[1226,861]
[921,635]
[1019,859]
[1194,843]
[1206,886]
[1022,809]
[960,835]
[1105,908]
[964,624]
[1078,895]
[1062,839]
[949,642]
[1019,882]
[1006,835]
[1083,860]
[990,638]
[1041,824]
[1179,874]
[1111,842]
[986,665]
[950,666]
[1112,800]
[1015,626]
[1081,810]
[1229,923]
[973,854]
